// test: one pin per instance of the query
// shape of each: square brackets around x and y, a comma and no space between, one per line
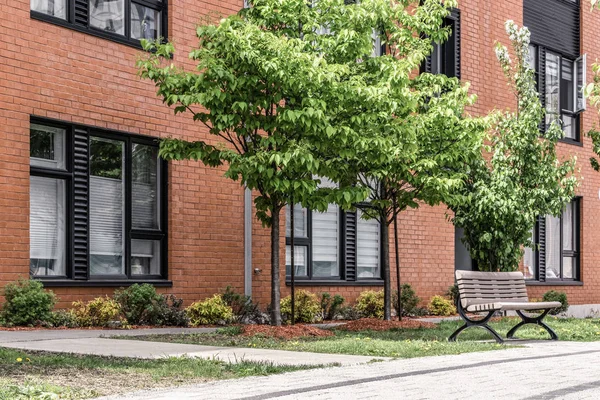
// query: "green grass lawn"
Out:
[402,343]
[37,375]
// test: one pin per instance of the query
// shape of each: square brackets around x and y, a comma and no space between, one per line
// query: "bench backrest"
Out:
[488,287]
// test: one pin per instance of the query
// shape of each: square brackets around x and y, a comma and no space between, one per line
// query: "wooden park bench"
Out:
[497,291]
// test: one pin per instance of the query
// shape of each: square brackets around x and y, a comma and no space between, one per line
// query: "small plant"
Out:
[244,309]
[452,293]
[330,307]
[210,311]
[553,295]
[64,318]
[168,311]
[306,309]
[409,300]
[138,303]
[349,313]
[370,304]
[441,306]
[102,311]
[27,303]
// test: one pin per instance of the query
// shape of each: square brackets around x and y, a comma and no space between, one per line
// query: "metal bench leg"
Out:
[525,319]
[472,322]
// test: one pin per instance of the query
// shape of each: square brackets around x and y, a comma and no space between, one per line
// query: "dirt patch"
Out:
[285,332]
[373,324]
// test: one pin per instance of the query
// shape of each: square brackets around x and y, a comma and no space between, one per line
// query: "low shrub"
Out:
[553,295]
[441,306]
[213,310]
[452,293]
[138,303]
[330,306]
[349,313]
[64,318]
[244,309]
[306,308]
[370,304]
[409,300]
[168,311]
[102,311]
[27,303]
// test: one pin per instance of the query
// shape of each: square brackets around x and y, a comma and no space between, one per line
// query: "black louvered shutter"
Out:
[451,48]
[455,17]
[553,24]
[541,253]
[80,204]
[81,12]
[542,83]
[350,246]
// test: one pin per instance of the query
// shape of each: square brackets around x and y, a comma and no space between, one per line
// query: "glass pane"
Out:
[145,22]
[367,248]
[108,15]
[300,222]
[300,260]
[567,100]
[106,206]
[144,187]
[567,227]
[55,8]
[145,257]
[532,56]
[552,88]
[552,247]
[568,267]
[47,146]
[47,226]
[529,260]
[325,238]
[569,126]
[376,44]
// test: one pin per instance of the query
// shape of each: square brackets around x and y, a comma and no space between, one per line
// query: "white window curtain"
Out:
[56,8]
[47,226]
[325,242]
[552,247]
[529,260]
[108,15]
[368,242]
[300,260]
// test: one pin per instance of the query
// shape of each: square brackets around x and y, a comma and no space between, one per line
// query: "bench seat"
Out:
[505,306]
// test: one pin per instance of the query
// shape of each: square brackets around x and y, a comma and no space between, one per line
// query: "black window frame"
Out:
[78,19]
[541,243]
[348,228]
[75,276]
[449,50]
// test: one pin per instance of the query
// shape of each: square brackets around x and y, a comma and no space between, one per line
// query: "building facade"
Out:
[87,206]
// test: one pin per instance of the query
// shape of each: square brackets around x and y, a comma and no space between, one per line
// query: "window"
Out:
[556,255]
[445,57]
[333,245]
[126,21]
[554,55]
[96,208]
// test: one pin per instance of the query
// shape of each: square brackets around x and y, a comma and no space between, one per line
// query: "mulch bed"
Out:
[373,324]
[285,332]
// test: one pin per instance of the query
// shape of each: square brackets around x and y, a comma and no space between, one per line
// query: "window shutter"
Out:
[350,245]
[455,15]
[542,83]
[541,253]
[81,12]
[580,83]
[426,65]
[80,204]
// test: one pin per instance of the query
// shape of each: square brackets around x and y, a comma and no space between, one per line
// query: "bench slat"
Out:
[476,288]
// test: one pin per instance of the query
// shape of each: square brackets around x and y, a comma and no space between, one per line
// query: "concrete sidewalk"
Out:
[99,343]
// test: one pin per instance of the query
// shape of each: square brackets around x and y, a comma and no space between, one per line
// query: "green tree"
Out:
[520,177]
[259,90]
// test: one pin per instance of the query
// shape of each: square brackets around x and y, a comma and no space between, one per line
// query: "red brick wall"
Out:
[55,72]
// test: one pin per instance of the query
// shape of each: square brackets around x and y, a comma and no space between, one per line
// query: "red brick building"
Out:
[87,207]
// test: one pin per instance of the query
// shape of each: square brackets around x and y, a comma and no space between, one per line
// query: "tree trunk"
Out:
[397,254]
[275,281]
[385,266]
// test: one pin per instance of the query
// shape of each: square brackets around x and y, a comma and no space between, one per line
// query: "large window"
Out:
[555,56]
[96,205]
[556,254]
[445,57]
[122,20]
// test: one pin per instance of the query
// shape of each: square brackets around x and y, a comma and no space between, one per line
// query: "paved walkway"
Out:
[98,342]
[549,370]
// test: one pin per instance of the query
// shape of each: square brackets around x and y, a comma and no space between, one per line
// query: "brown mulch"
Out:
[373,324]
[285,332]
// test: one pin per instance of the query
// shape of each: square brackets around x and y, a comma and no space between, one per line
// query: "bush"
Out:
[307,308]
[452,293]
[441,306]
[27,303]
[330,307]
[64,318]
[409,300]
[370,304]
[349,313]
[168,311]
[553,295]
[210,311]
[244,309]
[102,311]
[138,303]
